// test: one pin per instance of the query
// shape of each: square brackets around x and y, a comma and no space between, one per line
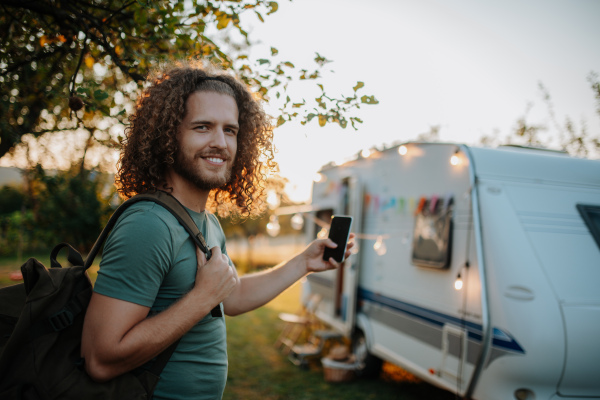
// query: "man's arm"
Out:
[118,336]
[258,289]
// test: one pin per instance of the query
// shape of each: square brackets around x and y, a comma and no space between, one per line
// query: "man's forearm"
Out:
[255,290]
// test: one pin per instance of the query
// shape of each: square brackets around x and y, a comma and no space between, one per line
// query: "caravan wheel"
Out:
[369,366]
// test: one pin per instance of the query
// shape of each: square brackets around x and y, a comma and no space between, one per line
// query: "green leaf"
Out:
[369,100]
[321,103]
[358,86]
[85,91]
[322,120]
[262,61]
[223,20]
[280,121]
[319,59]
[288,64]
[260,17]
[100,95]
[310,116]
[273,7]
[274,51]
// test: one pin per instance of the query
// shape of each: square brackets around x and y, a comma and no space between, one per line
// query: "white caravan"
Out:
[478,269]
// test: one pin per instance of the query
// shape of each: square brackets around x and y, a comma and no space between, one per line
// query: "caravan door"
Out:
[338,287]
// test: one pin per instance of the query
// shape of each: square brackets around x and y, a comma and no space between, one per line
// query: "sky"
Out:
[470,67]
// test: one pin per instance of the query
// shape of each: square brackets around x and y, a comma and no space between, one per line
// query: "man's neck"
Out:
[187,193]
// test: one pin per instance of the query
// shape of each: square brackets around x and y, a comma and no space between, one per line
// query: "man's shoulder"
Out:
[212,219]
[148,213]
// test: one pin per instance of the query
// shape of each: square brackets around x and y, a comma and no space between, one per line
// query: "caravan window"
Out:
[591,216]
[432,234]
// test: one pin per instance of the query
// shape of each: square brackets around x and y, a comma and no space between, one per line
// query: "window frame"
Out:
[585,210]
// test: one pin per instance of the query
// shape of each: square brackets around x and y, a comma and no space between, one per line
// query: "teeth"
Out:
[215,160]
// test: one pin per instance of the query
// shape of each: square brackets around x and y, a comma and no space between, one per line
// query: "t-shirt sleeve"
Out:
[136,258]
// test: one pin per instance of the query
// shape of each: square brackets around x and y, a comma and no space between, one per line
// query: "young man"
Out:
[204,139]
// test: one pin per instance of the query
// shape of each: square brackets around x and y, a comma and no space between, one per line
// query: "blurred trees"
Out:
[572,137]
[67,206]
[80,64]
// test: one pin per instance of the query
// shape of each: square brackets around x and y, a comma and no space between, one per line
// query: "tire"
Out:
[369,365]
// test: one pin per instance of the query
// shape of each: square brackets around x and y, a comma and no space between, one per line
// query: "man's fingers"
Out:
[330,243]
[200,256]
[215,251]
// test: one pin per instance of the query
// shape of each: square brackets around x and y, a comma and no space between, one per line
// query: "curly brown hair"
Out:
[150,146]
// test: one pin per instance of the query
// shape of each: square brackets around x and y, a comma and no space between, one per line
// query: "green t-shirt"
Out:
[150,259]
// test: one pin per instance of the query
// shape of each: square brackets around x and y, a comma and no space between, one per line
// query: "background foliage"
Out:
[80,65]
[67,206]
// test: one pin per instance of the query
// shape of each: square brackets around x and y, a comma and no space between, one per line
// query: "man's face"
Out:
[207,140]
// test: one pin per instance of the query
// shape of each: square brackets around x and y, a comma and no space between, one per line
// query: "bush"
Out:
[11,199]
[70,207]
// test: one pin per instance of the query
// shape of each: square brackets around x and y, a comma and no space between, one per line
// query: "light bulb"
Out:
[273,226]
[297,221]
[455,159]
[379,246]
[365,153]
[323,233]
[402,150]
[458,283]
[273,200]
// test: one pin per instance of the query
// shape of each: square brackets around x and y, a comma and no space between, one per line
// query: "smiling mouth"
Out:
[215,160]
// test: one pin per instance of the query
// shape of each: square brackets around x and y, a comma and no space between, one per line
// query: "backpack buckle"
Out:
[61,320]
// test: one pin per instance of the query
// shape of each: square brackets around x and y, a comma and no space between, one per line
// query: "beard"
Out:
[187,167]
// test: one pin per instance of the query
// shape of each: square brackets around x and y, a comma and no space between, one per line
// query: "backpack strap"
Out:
[167,201]
[173,205]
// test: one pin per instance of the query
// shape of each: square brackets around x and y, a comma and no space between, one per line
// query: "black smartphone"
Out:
[339,232]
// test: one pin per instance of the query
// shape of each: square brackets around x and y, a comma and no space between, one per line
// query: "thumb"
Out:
[215,252]
[200,256]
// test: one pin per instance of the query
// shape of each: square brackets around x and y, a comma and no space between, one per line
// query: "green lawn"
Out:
[258,371]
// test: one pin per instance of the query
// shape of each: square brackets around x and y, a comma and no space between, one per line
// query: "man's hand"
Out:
[313,254]
[215,278]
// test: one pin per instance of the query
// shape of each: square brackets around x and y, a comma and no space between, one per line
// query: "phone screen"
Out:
[339,232]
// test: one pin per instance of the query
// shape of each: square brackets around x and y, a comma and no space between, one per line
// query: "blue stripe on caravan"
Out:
[501,338]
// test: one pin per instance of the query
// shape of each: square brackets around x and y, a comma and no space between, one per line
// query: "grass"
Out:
[258,371]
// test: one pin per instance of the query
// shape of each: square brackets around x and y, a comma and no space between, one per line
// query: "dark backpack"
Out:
[41,321]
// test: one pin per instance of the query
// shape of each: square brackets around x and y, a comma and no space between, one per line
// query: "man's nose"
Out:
[218,139]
